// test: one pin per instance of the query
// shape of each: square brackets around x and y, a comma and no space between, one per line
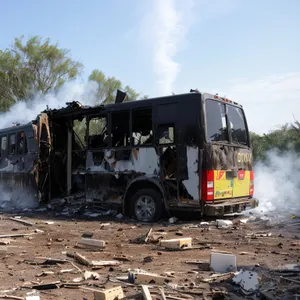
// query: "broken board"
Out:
[177,244]
[109,294]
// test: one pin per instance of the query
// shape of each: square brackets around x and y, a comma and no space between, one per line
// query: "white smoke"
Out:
[24,112]
[17,198]
[277,184]
[165,31]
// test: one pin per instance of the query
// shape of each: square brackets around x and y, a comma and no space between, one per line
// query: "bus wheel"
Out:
[147,205]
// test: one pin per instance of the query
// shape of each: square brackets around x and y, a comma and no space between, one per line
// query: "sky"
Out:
[247,51]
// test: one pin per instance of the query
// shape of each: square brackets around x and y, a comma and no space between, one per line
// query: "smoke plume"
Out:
[166,28]
[277,184]
[24,112]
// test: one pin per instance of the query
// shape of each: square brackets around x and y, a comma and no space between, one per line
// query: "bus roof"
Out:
[77,109]
[17,127]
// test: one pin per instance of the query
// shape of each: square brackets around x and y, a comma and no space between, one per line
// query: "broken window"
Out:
[166,134]
[142,127]
[237,125]
[12,144]
[3,146]
[22,144]
[79,129]
[120,129]
[216,127]
[98,134]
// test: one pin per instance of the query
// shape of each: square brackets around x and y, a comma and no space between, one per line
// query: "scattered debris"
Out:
[27,223]
[222,263]
[202,265]
[180,244]
[5,242]
[248,281]
[109,294]
[11,297]
[46,286]
[119,216]
[147,278]
[87,235]
[92,263]
[178,276]
[224,223]
[92,243]
[91,275]
[146,292]
[173,220]
[147,235]
[3,236]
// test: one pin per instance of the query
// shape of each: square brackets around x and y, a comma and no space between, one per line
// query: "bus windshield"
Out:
[216,125]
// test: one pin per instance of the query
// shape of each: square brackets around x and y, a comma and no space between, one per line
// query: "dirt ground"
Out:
[23,259]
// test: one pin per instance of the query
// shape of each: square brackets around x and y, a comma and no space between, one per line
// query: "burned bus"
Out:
[189,152]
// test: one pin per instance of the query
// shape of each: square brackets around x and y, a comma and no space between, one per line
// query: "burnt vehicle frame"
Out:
[113,168]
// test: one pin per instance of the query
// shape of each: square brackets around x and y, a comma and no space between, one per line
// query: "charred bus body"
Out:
[22,161]
[188,151]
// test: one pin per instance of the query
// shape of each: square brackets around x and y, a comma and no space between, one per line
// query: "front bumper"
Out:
[223,207]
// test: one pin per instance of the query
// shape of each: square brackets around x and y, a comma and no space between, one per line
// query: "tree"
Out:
[283,139]
[34,65]
[108,86]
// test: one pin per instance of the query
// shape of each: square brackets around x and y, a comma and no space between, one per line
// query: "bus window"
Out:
[216,128]
[142,127]
[238,126]
[98,137]
[12,144]
[166,134]
[120,129]
[22,144]
[3,146]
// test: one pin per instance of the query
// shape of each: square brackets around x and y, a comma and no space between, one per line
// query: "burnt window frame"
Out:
[87,138]
[207,138]
[119,111]
[3,153]
[18,144]
[9,143]
[168,124]
[132,111]
[230,129]
[228,126]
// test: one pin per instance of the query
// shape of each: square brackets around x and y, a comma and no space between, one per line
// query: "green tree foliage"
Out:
[34,65]
[108,86]
[283,139]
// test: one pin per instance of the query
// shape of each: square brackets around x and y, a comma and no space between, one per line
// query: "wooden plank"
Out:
[82,259]
[148,235]
[146,292]
[109,294]
[148,278]
[162,292]
[92,243]
[182,243]
[11,297]
[100,263]
[21,221]
[3,236]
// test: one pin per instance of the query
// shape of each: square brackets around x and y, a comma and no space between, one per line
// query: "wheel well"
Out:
[134,187]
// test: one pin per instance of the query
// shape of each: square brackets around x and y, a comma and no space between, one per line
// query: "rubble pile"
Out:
[240,258]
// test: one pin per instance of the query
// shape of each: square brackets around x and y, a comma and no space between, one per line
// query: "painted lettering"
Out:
[244,157]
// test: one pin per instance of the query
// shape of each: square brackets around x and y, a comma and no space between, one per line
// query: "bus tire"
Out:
[147,205]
